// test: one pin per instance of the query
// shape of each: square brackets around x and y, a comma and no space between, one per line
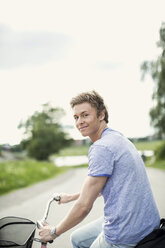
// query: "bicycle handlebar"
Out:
[39,222]
[54,198]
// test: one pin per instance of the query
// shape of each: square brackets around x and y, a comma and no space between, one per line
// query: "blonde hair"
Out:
[92,98]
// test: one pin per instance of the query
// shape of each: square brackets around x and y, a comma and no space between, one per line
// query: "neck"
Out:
[97,135]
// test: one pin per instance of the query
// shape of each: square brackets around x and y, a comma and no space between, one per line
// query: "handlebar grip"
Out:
[57,198]
[51,241]
[44,245]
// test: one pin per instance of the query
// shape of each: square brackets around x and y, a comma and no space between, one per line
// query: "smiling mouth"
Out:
[82,128]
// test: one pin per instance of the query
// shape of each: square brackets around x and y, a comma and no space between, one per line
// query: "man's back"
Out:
[130,210]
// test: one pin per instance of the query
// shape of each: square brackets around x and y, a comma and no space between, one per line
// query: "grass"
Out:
[83,150]
[22,173]
[19,174]
[156,164]
[147,145]
[151,145]
[74,151]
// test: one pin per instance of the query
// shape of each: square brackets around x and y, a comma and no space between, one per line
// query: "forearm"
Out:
[74,217]
[65,198]
[73,197]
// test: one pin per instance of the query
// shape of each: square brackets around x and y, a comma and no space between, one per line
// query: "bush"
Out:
[46,135]
[160,152]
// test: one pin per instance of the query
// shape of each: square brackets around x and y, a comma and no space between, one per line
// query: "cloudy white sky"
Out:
[51,50]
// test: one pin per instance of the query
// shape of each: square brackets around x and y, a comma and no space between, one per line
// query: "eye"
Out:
[85,115]
[76,118]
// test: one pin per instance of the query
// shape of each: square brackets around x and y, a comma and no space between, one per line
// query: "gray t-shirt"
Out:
[130,212]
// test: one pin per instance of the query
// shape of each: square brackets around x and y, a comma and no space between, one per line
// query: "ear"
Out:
[102,115]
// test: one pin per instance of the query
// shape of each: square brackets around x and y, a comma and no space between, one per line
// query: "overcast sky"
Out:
[52,50]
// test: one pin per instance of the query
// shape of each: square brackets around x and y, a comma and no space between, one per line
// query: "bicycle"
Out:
[18,232]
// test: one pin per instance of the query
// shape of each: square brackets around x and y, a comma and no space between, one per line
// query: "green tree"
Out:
[44,133]
[157,71]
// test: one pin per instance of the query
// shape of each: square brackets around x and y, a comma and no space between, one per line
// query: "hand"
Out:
[64,198]
[45,233]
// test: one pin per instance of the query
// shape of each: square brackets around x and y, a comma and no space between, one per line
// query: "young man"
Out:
[117,172]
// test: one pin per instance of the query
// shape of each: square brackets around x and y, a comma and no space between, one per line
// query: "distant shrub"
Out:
[160,152]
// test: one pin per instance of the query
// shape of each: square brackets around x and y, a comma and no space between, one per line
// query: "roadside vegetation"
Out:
[148,145]
[158,146]
[21,173]
[83,150]
[74,151]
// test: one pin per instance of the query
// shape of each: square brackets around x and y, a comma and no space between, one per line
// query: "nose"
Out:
[79,121]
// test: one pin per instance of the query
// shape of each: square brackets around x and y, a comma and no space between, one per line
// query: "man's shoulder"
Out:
[109,139]
[112,142]
[100,148]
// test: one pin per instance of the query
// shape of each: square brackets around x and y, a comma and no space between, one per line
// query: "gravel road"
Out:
[30,202]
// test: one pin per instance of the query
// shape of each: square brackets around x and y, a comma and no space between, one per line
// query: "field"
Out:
[148,145]
[19,174]
[83,150]
[22,173]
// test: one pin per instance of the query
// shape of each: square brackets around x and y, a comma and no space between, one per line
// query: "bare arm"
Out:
[90,191]
[65,198]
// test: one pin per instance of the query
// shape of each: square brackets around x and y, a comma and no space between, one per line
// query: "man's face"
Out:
[86,119]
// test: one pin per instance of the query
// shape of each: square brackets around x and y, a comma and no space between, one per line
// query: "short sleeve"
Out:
[101,161]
